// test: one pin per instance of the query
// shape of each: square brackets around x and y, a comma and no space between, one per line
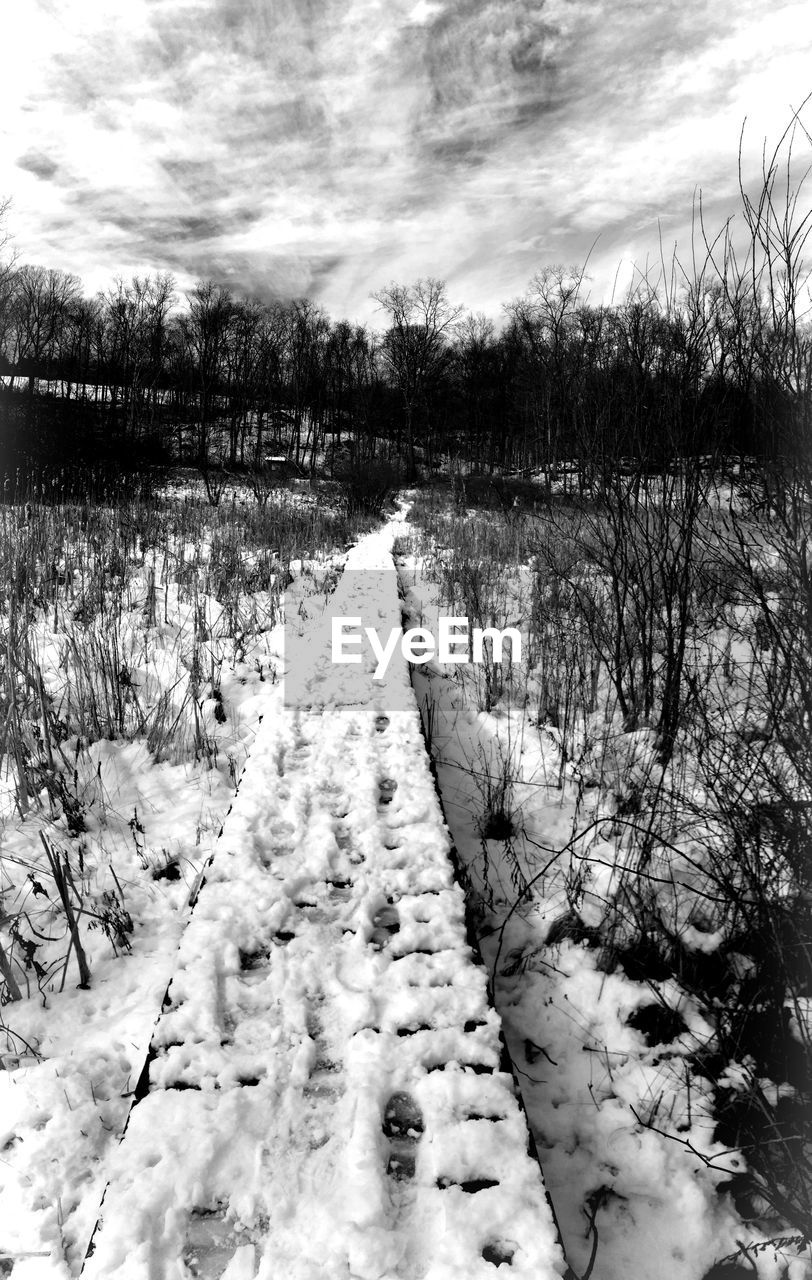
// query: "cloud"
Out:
[331,145]
[40,165]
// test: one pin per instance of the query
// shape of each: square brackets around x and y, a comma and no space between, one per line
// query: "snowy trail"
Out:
[324,1095]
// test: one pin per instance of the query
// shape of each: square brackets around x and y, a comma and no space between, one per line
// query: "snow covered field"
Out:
[287,1023]
[323,1090]
[609,1045]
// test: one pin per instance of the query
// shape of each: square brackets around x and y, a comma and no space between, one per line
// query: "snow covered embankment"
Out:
[324,1096]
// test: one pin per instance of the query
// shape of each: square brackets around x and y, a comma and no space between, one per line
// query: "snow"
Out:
[297,1070]
[625,1138]
[323,1094]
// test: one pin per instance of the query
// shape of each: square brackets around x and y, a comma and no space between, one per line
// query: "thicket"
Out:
[125,610]
[693,360]
[667,601]
[668,655]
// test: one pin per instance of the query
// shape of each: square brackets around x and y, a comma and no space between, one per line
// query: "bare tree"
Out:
[210,311]
[546,317]
[270,341]
[307,330]
[241,362]
[415,348]
[8,261]
[42,300]
[474,368]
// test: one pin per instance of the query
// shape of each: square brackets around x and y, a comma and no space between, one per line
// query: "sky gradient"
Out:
[327,147]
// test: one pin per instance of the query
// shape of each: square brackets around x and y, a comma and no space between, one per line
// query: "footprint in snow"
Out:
[254,965]
[386,790]
[212,1244]
[272,854]
[339,888]
[325,1074]
[344,842]
[499,1252]
[385,924]
[403,1128]
[471,1186]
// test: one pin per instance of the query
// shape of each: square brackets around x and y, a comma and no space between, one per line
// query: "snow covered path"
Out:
[323,1096]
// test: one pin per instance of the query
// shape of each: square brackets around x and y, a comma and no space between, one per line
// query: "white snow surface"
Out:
[324,1096]
[626,1144]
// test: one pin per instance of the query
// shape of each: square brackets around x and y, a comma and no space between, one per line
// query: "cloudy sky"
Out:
[327,147]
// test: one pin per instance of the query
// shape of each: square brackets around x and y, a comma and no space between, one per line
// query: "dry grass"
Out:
[120,618]
[699,870]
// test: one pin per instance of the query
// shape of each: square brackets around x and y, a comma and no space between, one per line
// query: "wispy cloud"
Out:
[327,146]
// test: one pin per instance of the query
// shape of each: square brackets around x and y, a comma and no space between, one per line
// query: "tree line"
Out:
[717,358]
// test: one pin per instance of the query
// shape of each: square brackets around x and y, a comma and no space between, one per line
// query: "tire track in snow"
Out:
[324,1096]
